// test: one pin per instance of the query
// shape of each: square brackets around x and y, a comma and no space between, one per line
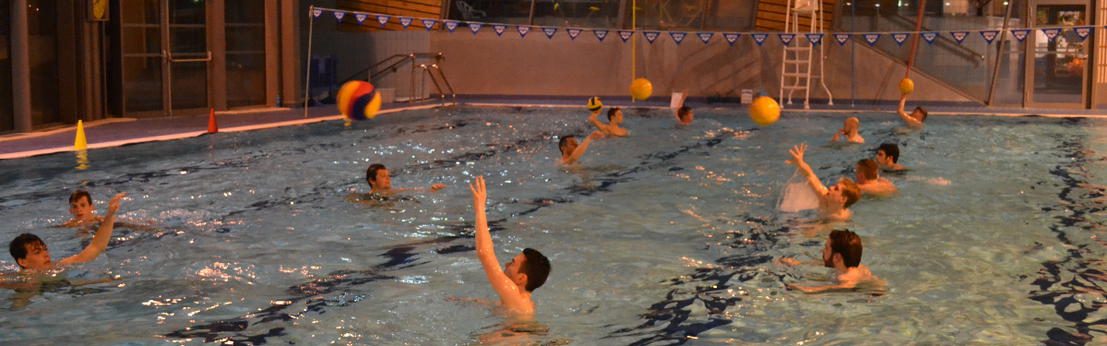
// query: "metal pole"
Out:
[999,55]
[853,55]
[915,40]
[21,67]
[531,20]
[307,74]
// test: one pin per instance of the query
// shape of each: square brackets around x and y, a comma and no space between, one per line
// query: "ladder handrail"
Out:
[375,73]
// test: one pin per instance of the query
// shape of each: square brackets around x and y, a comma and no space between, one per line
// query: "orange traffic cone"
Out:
[212,127]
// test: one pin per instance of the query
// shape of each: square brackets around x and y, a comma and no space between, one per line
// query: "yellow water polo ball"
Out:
[594,103]
[764,111]
[641,89]
[906,86]
[358,100]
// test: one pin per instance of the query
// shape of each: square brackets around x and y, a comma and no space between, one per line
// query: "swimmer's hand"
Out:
[797,154]
[596,135]
[789,261]
[437,187]
[113,205]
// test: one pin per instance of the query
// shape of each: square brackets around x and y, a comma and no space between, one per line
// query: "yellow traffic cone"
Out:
[80,143]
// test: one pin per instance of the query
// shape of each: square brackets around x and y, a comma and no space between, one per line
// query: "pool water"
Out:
[667,236]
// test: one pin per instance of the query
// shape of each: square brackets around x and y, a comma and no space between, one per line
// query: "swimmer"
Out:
[843,253]
[917,116]
[834,202]
[887,156]
[31,253]
[80,206]
[614,118]
[870,182]
[849,129]
[520,277]
[683,114]
[381,184]
[571,151]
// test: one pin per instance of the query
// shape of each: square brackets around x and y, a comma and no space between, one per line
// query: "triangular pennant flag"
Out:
[705,36]
[989,35]
[625,35]
[316,12]
[429,24]
[841,38]
[600,34]
[550,31]
[499,29]
[1020,34]
[959,36]
[871,38]
[475,27]
[900,37]
[759,38]
[678,36]
[815,39]
[361,17]
[523,30]
[786,39]
[731,37]
[929,36]
[651,35]
[405,21]
[573,33]
[1082,32]
[338,15]
[383,19]
[1051,33]
[451,25]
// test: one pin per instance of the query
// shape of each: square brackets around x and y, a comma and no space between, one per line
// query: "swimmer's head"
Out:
[844,246]
[867,171]
[378,178]
[919,113]
[615,115]
[887,154]
[528,269]
[567,144]
[851,124]
[685,114]
[29,251]
[80,204]
[845,192]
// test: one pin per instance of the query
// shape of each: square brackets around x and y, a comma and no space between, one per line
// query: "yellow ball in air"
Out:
[764,111]
[641,89]
[906,86]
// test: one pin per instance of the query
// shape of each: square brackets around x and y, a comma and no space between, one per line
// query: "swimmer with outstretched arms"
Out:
[515,282]
[381,184]
[834,202]
[614,118]
[850,130]
[843,253]
[571,151]
[870,182]
[916,118]
[81,208]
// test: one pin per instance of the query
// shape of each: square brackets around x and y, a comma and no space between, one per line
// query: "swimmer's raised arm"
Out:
[580,149]
[100,240]
[508,291]
[592,119]
[907,118]
[797,159]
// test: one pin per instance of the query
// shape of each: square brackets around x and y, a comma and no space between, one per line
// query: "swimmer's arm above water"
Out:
[797,159]
[486,252]
[907,118]
[592,119]
[100,241]
[579,151]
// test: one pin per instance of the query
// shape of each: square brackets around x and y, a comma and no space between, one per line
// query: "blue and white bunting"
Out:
[451,25]
[405,21]
[841,38]
[499,29]
[929,36]
[786,39]
[475,27]
[523,30]
[338,15]
[959,36]
[705,36]
[678,36]
[731,37]
[316,12]
[651,35]
[361,17]
[989,35]
[600,34]
[1020,34]
[383,19]
[759,38]
[549,31]
[429,24]
[573,33]
[1051,33]
[625,35]
[815,39]
[871,39]
[1082,32]
[900,37]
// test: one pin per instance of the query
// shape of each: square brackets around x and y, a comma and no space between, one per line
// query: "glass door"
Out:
[1057,76]
[165,57]
[187,55]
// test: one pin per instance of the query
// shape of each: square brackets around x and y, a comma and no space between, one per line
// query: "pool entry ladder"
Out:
[797,58]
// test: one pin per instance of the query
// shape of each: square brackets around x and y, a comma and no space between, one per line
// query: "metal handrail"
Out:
[397,60]
[431,69]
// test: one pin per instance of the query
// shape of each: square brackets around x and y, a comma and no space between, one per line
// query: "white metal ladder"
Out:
[795,67]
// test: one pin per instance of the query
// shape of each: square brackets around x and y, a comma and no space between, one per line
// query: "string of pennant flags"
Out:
[815,39]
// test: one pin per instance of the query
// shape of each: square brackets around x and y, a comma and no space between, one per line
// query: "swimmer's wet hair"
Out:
[76,196]
[851,192]
[537,268]
[611,112]
[18,246]
[683,111]
[371,173]
[890,150]
[848,244]
[921,111]
[867,168]
[561,143]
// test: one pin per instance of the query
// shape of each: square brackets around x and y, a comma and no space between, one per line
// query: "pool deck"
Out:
[121,131]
